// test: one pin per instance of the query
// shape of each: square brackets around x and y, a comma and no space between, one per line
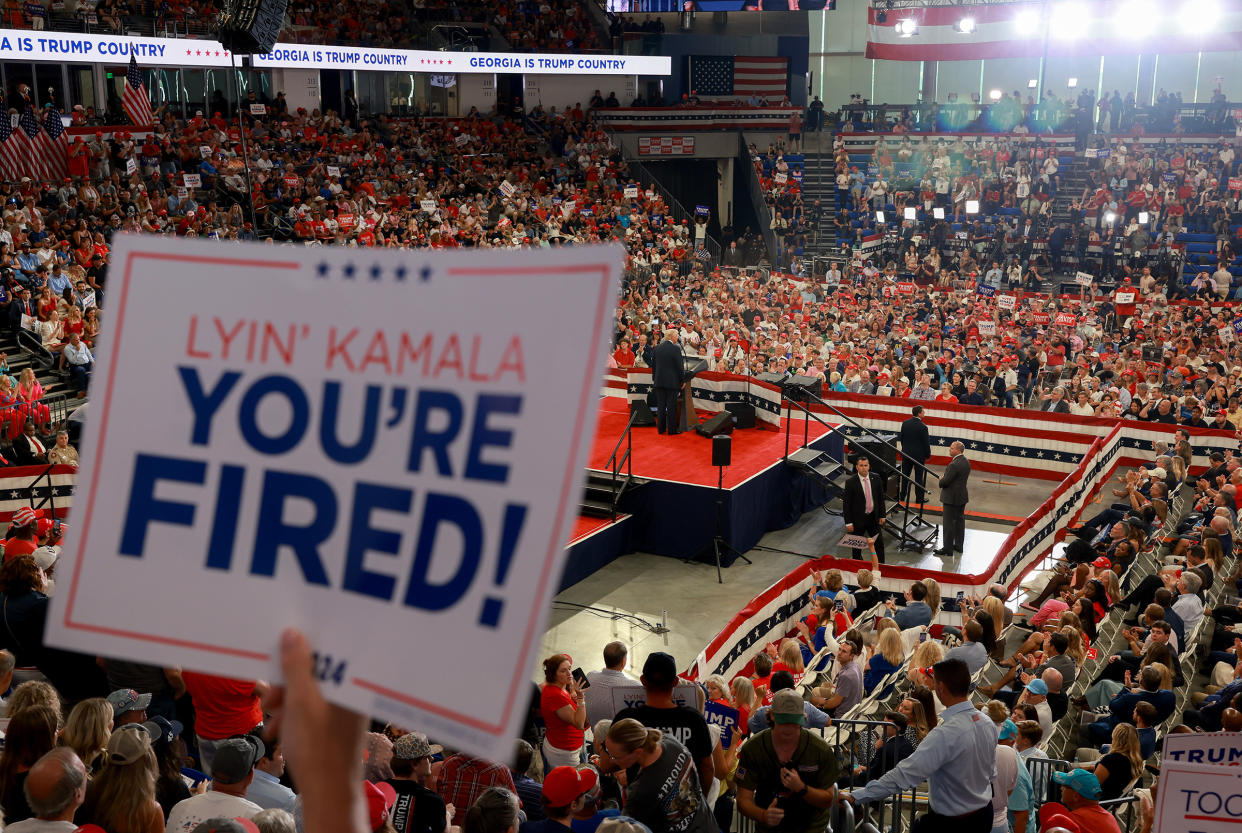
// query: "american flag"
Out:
[26,136]
[54,145]
[725,77]
[135,100]
[9,168]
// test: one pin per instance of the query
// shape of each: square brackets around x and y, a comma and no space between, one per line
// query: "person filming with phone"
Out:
[563,706]
[785,774]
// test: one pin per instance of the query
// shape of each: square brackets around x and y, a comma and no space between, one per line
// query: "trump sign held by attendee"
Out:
[382,448]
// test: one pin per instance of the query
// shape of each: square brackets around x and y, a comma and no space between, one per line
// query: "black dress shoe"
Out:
[943,553]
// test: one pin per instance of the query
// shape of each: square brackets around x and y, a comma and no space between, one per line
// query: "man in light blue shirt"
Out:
[266,789]
[58,281]
[972,651]
[916,613]
[957,759]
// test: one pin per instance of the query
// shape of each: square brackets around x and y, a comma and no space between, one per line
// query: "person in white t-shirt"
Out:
[55,788]
[232,771]
[1005,780]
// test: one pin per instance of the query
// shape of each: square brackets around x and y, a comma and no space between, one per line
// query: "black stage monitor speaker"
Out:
[722,450]
[251,26]
[642,413]
[796,388]
[743,414]
[721,423]
[883,455]
[771,378]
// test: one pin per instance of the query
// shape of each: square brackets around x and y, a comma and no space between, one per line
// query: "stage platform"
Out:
[673,511]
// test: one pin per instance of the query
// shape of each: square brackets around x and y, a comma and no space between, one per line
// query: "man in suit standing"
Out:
[666,375]
[864,506]
[953,497]
[915,449]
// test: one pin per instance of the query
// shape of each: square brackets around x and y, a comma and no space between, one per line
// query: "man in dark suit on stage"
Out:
[953,497]
[667,369]
[915,448]
[863,505]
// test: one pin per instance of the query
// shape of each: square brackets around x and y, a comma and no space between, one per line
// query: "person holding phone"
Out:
[563,706]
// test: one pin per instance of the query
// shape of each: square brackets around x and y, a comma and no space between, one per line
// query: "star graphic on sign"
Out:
[376,272]
[198,52]
[349,270]
[323,270]
[424,274]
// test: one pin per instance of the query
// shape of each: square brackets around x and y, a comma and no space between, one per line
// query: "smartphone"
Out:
[923,636]
[581,679]
[961,594]
[838,605]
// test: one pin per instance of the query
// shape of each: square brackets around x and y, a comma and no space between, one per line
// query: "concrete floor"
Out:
[633,596]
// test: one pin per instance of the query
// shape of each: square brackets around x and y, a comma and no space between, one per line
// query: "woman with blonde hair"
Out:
[915,712]
[87,730]
[996,609]
[717,690]
[884,659]
[121,798]
[745,700]
[1076,650]
[790,659]
[630,743]
[925,655]
[1122,763]
[932,599]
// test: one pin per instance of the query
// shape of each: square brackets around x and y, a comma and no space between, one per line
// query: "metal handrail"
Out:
[50,499]
[627,437]
[648,179]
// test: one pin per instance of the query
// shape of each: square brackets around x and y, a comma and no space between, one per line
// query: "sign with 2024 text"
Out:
[361,450]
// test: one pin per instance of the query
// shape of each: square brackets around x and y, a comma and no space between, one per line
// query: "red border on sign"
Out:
[555,545]
[89,510]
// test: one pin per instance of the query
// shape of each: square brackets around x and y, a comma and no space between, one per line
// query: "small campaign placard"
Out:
[1235,183]
[1084,278]
[781,178]
[630,696]
[702,211]
[130,166]
[427,205]
[631,192]
[907,287]
[507,189]
[987,328]
[854,542]
[361,450]
[192,180]
[333,170]
[1198,799]
[1211,749]
[1066,319]
[985,289]
[1125,297]
[1008,302]
[726,717]
[258,109]
[182,193]
[204,151]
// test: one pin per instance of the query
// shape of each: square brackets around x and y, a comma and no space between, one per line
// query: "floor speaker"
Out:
[642,413]
[721,423]
[743,414]
[722,450]
[883,455]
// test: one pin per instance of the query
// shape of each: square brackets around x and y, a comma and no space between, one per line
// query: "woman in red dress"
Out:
[12,416]
[47,303]
[30,394]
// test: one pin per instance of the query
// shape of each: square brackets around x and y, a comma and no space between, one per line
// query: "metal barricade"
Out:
[1043,788]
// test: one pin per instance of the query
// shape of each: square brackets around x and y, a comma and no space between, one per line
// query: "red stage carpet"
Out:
[585,526]
[687,457]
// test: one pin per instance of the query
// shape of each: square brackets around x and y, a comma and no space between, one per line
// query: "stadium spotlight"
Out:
[938,213]
[1110,217]
[1026,24]
[995,95]
[1143,218]
[1198,17]
[907,27]
[1032,84]
[1069,21]
[1073,82]
[911,213]
[972,206]
[965,26]
[879,217]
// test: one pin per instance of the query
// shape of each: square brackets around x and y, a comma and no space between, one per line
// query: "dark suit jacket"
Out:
[1061,407]
[953,482]
[666,365]
[855,502]
[24,453]
[915,440]
[16,309]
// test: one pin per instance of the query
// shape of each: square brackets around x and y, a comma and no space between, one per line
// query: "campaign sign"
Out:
[1125,297]
[192,180]
[907,287]
[1226,333]
[1066,319]
[781,178]
[854,542]
[204,151]
[1198,799]
[258,109]
[987,328]
[726,717]
[1213,749]
[631,192]
[333,170]
[1235,183]
[629,696]
[1008,302]
[1084,278]
[130,166]
[427,205]
[1041,318]
[1237,326]
[702,211]
[507,188]
[360,450]
[986,290]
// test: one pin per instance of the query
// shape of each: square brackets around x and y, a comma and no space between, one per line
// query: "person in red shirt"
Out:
[623,355]
[21,539]
[563,706]
[223,707]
